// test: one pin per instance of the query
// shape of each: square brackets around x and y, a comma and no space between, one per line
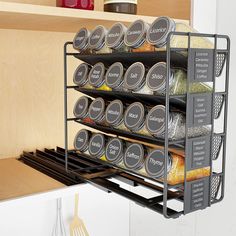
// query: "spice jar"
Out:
[81,109]
[114,151]
[114,78]
[155,124]
[97,111]
[135,79]
[78,4]
[114,115]
[121,6]
[80,77]
[80,41]
[97,146]
[156,81]
[97,40]
[155,166]
[158,32]
[115,38]
[135,37]
[81,142]
[97,77]
[134,118]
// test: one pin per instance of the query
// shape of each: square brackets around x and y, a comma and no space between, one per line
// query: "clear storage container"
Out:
[97,77]
[155,124]
[115,38]
[135,37]
[97,40]
[155,165]
[156,81]
[158,32]
[135,79]
[81,142]
[80,77]
[80,42]
[115,151]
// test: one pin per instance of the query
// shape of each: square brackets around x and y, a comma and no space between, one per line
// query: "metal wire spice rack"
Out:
[71,167]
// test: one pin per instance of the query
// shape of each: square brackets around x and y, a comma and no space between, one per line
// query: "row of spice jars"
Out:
[141,159]
[136,118]
[138,37]
[136,79]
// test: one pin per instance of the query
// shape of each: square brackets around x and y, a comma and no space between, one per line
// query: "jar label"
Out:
[96,75]
[114,74]
[134,156]
[114,112]
[114,150]
[80,40]
[81,74]
[96,38]
[96,109]
[81,107]
[115,35]
[96,144]
[81,140]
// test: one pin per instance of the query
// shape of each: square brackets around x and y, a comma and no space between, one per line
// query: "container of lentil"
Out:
[134,118]
[135,79]
[97,77]
[135,37]
[80,42]
[97,40]
[156,81]
[115,151]
[155,165]
[80,77]
[81,142]
[156,120]
[115,38]
[158,32]
[97,146]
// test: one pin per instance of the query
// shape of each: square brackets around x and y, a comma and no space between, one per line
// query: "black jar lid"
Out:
[97,109]
[134,116]
[96,75]
[81,74]
[114,150]
[155,163]
[97,145]
[135,76]
[115,36]
[80,41]
[136,34]
[97,38]
[81,141]
[114,112]
[159,30]
[134,156]
[81,107]
[156,120]
[114,75]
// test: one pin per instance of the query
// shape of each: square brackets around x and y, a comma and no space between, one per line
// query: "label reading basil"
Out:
[134,116]
[96,144]
[156,76]
[114,149]
[114,112]
[134,156]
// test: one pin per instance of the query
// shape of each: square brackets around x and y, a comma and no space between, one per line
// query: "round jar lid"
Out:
[155,121]
[81,74]
[81,107]
[155,163]
[136,33]
[97,109]
[134,116]
[114,75]
[115,35]
[134,156]
[97,145]
[134,76]
[114,112]
[159,30]
[97,37]
[96,75]
[114,150]
[80,41]
[81,141]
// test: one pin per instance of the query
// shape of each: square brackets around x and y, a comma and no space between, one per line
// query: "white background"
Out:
[107,214]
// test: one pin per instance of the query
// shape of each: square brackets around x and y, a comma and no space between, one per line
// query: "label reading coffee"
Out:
[81,74]
[114,74]
[135,33]
[114,150]
[114,112]
[81,108]
[96,144]
[81,140]
[134,156]
[96,37]
[134,116]
[96,74]
[96,109]
[81,38]
[115,35]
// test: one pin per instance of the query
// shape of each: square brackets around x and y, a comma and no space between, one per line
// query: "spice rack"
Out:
[71,167]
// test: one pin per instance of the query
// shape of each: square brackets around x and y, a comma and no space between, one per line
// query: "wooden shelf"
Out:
[47,18]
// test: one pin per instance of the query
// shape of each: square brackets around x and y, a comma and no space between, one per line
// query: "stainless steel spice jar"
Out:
[97,40]
[115,38]
[115,151]
[80,41]
[80,77]
[97,77]
[135,37]
[135,79]
[81,107]
[134,118]
[81,142]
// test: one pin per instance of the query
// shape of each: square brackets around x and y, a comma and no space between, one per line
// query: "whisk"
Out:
[77,227]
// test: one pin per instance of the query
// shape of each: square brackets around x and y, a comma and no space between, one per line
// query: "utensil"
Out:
[77,227]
